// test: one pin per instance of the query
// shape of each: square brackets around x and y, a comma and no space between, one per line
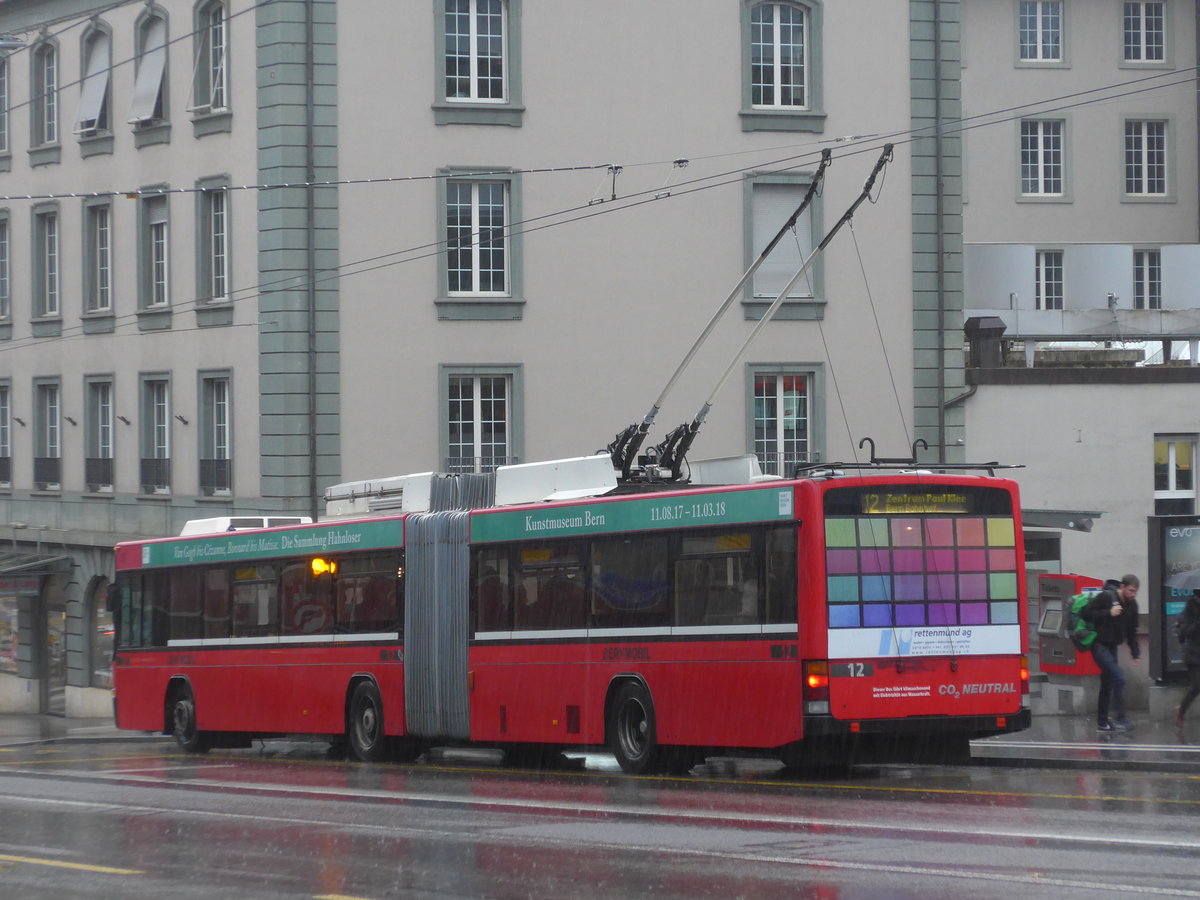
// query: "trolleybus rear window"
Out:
[906,556]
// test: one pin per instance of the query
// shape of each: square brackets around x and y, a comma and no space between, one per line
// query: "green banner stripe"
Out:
[644,514]
[236,546]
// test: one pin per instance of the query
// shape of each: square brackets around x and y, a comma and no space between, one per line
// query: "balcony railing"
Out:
[214,476]
[47,473]
[156,476]
[98,474]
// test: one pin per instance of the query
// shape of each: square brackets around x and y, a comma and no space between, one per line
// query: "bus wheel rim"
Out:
[185,716]
[634,729]
[367,724]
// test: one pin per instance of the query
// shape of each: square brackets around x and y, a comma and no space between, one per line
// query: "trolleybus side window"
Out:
[780,575]
[491,589]
[216,602]
[630,582]
[186,605]
[255,601]
[306,594]
[551,592]
[128,611]
[370,593]
[716,579]
[142,612]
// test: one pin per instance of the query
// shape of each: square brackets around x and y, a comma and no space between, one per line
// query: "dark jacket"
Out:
[1189,631]
[1112,631]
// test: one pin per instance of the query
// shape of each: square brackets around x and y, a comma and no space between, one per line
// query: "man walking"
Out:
[1114,614]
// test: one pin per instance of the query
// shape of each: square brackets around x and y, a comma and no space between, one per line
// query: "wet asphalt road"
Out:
[282,820]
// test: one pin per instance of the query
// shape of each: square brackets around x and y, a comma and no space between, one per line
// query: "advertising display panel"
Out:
[1174,563]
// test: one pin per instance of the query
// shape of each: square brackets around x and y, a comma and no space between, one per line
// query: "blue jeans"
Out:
[1112,682]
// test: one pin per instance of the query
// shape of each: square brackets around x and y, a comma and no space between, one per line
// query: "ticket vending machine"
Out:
[1056,653]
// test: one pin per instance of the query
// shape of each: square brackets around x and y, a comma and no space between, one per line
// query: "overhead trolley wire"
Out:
[584,211]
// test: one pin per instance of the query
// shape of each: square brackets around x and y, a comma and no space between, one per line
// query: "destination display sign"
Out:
[908,502]
[235,546]
[641,514]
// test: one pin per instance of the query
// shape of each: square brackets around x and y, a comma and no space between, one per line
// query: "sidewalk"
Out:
[1072,741]
[1056,741]
[17,729]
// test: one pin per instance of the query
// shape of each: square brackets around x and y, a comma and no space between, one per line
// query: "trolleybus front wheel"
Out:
[365,727]
[632,734]
[183,723]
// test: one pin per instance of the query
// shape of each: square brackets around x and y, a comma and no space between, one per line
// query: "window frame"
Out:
[1128,62]
[1147,278]
[6,312]
[155,438]
[814,376]
[154,257]
[210,86]
[47,434]
[1172,493]
[151,79]
[215,432]
[95,88]
[515,402]
[810,117]
[466,111]
[5,131]
[100,433]
[213,246]
[44,95]
[797,306]
[1040,60]
[47,262]
[1144,162]
[98,258]
[1041,281]
[479,305]
[1042,151]
[5,433]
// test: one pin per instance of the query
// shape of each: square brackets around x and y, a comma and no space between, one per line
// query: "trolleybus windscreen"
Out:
[921,569]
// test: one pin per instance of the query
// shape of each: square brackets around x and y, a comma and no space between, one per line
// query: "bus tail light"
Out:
[816,687]
[1024,674]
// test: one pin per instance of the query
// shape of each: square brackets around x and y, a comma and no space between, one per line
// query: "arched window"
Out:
[781,66]
[94,92]
[149,104]
[779,56]
[212,60]
[44,95]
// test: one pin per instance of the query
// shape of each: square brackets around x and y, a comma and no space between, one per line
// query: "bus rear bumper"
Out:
[916,726]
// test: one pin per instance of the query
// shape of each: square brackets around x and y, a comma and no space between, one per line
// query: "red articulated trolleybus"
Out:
[841,610]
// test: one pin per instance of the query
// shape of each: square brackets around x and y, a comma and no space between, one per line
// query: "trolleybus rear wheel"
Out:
[183,721]
[365,727]
[632,734]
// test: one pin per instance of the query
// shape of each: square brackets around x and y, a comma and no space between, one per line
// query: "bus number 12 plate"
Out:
[852,670]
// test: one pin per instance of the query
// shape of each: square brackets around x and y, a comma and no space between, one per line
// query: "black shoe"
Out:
[1125,725]
[1106,727]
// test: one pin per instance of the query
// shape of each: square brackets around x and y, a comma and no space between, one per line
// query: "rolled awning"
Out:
[1066,519]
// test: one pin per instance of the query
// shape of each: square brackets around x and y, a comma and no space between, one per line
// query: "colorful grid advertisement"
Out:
[905,585]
